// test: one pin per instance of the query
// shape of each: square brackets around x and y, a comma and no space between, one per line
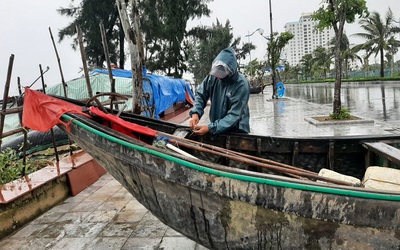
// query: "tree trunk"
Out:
[382,63]
[121,48]
[133,38]
[337,103]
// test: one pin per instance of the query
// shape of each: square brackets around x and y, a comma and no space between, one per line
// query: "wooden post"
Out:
[84,63]
[5,95]
[59,65]
[86,71]
[107,56]
[62,82]
[51,130]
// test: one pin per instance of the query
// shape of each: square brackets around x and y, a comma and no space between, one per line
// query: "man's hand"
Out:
[194,120]
[201,130]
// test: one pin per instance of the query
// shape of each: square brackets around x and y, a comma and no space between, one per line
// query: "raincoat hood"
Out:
[228,57]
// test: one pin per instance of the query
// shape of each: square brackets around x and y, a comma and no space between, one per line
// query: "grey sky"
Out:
[24,32]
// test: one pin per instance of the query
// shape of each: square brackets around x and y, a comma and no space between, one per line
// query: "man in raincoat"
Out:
[229,92]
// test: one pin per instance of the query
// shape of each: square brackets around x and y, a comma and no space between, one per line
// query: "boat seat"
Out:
[390,154]
[382,178]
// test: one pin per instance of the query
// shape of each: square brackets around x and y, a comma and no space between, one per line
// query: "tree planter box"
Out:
[24,199]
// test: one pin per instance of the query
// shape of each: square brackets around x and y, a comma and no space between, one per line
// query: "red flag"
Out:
[42,112]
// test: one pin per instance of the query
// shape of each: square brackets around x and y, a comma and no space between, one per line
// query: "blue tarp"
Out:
[164,91]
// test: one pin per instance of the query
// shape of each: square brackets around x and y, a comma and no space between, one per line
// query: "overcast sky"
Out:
[25,26]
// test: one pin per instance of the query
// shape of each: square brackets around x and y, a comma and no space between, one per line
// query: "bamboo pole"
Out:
[85,69]
[84,62]
[107,56]
[59,64]
[238,154]
[5,95]
[250,160]
[292,171]
[51,130]
[64,84]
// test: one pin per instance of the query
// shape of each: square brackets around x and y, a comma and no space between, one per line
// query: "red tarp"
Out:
[123,126]
[42,112]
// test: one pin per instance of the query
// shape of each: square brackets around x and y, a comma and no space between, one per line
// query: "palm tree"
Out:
[348,53]
[365,58]
[378,32]
[306,65]
[393,49]
[322,60]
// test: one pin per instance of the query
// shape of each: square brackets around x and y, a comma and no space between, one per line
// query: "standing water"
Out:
[378,102]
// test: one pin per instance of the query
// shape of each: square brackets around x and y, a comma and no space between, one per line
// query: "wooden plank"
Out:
[384,150]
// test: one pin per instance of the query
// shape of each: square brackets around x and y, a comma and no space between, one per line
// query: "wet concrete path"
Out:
[103,216]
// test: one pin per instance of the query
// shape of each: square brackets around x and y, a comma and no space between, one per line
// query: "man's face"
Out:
[220,70]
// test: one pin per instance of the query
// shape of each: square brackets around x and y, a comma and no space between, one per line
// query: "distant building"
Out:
[306,39]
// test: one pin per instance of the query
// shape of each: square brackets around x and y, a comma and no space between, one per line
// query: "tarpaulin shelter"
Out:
[161,91]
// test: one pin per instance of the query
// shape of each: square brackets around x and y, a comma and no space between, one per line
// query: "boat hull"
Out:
[224,208]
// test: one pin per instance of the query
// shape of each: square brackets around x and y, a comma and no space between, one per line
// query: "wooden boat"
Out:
[257,89]
[239,191]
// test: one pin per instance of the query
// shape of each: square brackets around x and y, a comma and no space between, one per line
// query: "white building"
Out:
[306,39]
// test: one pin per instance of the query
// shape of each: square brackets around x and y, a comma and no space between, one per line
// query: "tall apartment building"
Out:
[306,39]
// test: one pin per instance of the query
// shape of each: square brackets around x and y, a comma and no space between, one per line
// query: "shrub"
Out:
[12,167]
[343,114]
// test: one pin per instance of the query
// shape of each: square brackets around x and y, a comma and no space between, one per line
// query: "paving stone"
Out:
[48,217]
[73,243]
[134,205]
[85,206]
[83,230]
[54,231]
[73,217]
[141,244]
[107,243]
[30,230]
[130,216]
[64,207]
[24,244]
[172,233]
[112,205]
[149,229]
[100,216]
[118,230]
[177,243]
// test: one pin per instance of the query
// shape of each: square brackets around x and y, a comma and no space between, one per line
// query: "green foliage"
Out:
[255,72]
[164,26]
[274,49]
[341,115]
[206,43]
[12,168]
[88,15]
[334,11]
[306,63]
[322,60]
[334,14]
[380,36]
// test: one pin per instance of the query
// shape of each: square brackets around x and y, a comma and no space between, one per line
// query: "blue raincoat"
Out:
[229,111]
